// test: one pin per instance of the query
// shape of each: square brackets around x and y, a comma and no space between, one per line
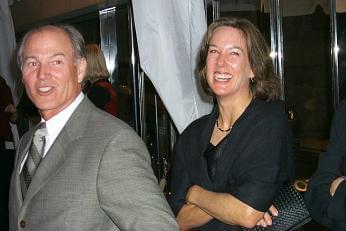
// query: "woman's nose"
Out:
[222,59]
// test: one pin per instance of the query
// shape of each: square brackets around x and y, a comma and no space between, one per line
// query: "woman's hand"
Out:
[267,218]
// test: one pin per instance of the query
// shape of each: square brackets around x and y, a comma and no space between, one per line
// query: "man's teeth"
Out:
[44,89]
[222,77]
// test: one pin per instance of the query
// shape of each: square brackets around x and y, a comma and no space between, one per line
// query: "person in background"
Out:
[229,165]
[6,150]
[80,168]
[25,115]
[96,85]
[326,193]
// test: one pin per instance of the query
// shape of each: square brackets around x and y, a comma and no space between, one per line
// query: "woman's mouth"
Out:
[222,76]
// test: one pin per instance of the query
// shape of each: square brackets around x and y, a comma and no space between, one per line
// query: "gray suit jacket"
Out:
[95,176]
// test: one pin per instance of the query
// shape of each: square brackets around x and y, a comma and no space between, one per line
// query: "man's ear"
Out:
[81,69]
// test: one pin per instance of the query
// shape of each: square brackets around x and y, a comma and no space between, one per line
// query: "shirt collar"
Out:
[55,124]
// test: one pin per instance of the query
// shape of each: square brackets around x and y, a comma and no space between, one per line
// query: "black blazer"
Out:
[327,210]
[255,162]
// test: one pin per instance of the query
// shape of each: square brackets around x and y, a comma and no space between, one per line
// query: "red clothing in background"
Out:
[104,96]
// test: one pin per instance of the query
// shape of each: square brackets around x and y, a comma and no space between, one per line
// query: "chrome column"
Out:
[109,40]
[334,50]
[137,79]
[216,9]
[276,41]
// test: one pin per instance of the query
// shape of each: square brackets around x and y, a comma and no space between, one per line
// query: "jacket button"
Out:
[22,224]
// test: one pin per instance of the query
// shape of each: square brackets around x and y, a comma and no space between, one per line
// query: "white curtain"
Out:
[169,34]
[8,68]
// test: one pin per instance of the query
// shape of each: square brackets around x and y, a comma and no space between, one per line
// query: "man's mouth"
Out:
[44,89]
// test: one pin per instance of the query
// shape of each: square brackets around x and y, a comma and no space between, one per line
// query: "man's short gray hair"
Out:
[77,40]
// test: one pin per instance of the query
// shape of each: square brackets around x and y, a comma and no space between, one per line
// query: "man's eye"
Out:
[56,62]
[32,64]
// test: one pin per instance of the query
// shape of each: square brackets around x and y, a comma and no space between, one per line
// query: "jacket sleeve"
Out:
[262,174]
[128,191]
[180,181]
[327,210]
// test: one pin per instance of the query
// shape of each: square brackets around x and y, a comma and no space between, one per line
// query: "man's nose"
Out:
[44,71]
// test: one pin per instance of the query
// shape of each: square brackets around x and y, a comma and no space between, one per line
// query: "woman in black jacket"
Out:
[230,164]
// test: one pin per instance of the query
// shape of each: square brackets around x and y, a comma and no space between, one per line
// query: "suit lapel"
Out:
[59,151]
[23,149]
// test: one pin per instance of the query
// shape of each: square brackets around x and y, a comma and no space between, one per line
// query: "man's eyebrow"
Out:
[28,57]
[52,56]
[57,54]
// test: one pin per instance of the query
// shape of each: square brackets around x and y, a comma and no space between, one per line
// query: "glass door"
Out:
[308,79]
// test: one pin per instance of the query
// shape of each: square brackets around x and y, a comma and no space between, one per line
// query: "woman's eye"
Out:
[212,51]
[234,53]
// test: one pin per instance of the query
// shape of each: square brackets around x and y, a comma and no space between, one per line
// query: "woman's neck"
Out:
[231,109]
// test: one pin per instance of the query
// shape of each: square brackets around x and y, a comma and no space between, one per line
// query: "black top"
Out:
[256,159]
[327,210]
[212,156]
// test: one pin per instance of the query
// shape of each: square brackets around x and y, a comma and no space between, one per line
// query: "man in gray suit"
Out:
[93,172]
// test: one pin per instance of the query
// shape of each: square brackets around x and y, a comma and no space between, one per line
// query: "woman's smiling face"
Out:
[228,67]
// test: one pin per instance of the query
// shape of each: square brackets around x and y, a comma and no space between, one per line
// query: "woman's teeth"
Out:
[222,77]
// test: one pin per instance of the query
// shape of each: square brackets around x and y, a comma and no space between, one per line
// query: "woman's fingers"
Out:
[273,211]
[267,217]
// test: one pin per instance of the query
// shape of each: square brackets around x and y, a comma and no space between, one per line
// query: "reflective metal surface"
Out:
[334,50]
[109,40]
[277,40]
[134,71]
